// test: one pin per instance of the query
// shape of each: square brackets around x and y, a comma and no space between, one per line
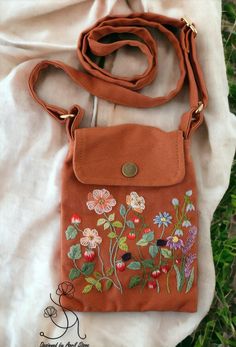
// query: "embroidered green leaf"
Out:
[106,225]
[148,236]
[130,224]
[112,235]
[97,274]
[134,281]
[110,271]
[71,233]
[142,243]
[148,263]
[178,277]
[111,217]
[87,288]
[117,224]
[74,273]
[122,239]
[98,286]
[75,252]
[153,250]
[135,265]
[166,253]
[122,210]
[91,280]
[87,268]
[124,247]
[109,284]
[101,221]
[190,281]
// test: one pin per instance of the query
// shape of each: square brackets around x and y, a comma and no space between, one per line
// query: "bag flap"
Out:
[101,153]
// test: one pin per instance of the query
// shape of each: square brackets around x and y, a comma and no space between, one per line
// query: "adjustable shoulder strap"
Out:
[124,91]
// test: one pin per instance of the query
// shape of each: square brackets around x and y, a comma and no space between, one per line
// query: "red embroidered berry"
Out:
[75,219]
[151,284]
[165,269]
[89,255]
[146,230]
[156,273]
[136,220]
[131,235]
[120,265]
[178,261]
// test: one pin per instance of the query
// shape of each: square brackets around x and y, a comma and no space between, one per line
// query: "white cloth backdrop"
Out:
[33,147]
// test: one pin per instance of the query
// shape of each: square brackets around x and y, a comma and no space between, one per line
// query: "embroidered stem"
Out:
[74,262]
[99,256]
[163,230]
[110,243]
[168,274]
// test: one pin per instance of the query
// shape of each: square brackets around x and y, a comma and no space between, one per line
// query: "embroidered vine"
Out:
[169,247]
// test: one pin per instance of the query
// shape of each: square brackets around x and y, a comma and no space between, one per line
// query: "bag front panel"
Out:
[129,248]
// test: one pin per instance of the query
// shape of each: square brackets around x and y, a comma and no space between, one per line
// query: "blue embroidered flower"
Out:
[162,219]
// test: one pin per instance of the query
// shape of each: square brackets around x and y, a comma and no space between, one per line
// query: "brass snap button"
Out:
[129,169]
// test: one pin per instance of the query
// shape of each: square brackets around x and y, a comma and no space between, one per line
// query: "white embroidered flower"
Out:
[175,202]
[186,223]
[91,238]
[190,207]
[189,193]
[101,201]
[136,202]
[179,232]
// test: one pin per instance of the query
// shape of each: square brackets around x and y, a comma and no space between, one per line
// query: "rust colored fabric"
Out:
[129,243]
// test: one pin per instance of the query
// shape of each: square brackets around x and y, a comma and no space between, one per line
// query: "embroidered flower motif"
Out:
[136,202]
[190,240]
[162,219]
[179,232]
[190,207]
[174,242]
[175,202]
[189,193]
[186,223]
[100,200]
[91,238]
[187,268]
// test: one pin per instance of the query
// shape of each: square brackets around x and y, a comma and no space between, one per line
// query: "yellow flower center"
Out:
[101,201]
[175,239]
[91,237]
[163,219]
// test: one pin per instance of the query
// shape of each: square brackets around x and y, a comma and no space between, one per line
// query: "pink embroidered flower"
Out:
[136,202]
[91,238]
[100,200]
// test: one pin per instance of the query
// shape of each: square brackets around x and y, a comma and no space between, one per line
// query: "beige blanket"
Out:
[33,147]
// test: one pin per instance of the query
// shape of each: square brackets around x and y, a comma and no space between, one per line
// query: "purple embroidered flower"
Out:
[187,267]
[162,219]
[190,240]
[190,207]
[174,242]
[186,223]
